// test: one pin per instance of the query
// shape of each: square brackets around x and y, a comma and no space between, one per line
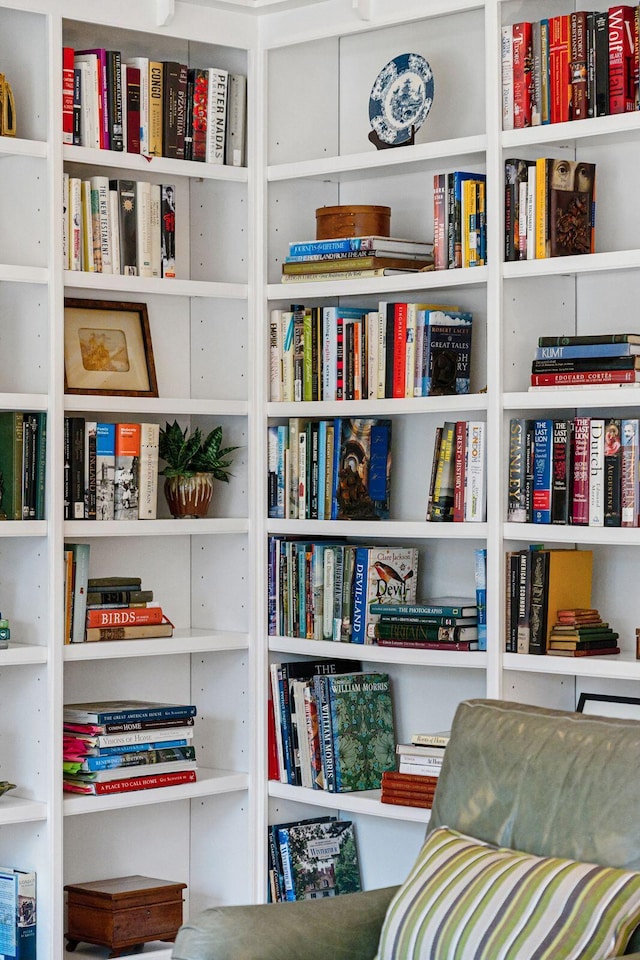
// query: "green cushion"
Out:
[469,900]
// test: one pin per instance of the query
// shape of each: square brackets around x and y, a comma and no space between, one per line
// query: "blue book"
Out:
[481,596]
[579,350]
[360,583]
[542,467]
[125,711]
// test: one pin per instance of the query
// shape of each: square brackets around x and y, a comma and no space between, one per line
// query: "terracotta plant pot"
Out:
[189,496]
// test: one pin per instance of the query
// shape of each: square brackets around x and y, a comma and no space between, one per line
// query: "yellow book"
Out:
[156,80]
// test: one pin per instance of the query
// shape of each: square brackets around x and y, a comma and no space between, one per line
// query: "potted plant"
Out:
[192,464]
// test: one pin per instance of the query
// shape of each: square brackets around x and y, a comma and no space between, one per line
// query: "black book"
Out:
[114,99]
[126,190]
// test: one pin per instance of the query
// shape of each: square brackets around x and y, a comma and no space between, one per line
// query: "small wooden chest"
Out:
[123,912]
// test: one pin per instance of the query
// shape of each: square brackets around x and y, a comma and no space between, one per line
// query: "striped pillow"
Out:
[468,900]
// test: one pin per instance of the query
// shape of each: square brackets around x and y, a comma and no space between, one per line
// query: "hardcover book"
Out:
[362,469]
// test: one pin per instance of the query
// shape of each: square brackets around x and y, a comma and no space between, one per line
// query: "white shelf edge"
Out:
[24,401]
[23,653]
[18,810]
[623,396]
[19,147]
[24,528]
[616,126]
[384,161]
[385,529]
[386,286]
[377,408]
[373,654]
[152,528]
[609,261]
[12,273]
[614,667]
[182,642]
[154,165]
[366,803]
[157,405]
[210,783]
[114,283]
[561,533]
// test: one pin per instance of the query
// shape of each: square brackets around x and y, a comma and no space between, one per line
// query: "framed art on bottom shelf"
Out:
[107,349]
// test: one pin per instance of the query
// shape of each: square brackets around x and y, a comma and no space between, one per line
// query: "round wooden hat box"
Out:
[353,221]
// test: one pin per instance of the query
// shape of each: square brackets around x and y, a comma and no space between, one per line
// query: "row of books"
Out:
[109,747]
[459,220]
[457,489]
[591,361]
[19,917]
[397,351]
[23,465]
[332,726]
[539,584]
[402,625]
[336,469]
[119,227]
[570,67]
[583,471]
[353,257]
[312,859]
[322,590]
[110,470]
[549,208]
[158,108]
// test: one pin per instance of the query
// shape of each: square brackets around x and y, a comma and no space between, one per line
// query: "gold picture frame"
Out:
[107,349]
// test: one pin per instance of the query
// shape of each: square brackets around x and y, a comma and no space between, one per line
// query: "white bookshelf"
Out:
[310,67]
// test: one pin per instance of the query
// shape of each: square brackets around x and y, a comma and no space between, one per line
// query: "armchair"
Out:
[547,782]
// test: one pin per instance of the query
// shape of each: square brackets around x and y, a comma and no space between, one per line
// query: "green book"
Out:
[11,435]
[364,739]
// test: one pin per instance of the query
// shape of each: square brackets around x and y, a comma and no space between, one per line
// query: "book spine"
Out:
[580,486]
[596,472]
[542,460]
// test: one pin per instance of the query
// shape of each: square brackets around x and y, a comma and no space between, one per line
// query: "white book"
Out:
[531,212]
[372,321]
[475,494]
[101,186]
[596,472]
[66,250]
[88,261]
[507,77]
[275,356]
[143,227]
[156,229]
[114,220]
[75,223]
[217,114]
[148,471]
[142,63]
[90,93]
[236,120]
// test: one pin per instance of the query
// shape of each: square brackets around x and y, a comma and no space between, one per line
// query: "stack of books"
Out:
[581,633]
[441,623]
[355,257]
[610,359]
[309,859]
[124,745]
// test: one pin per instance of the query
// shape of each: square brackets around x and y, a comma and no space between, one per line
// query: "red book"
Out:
[399,350]
[559,74]
[133,783]
[584,378]
[621,59]
[459,470]
[133,109]
[522,57]
[580,498]
[67,94]
[124,617]
[578,65]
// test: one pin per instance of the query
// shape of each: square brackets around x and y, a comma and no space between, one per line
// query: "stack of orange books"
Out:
[408,789]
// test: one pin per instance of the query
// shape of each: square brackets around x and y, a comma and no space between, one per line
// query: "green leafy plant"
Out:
[187,454]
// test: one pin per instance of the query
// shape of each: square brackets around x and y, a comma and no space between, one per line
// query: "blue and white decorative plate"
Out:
[401,97]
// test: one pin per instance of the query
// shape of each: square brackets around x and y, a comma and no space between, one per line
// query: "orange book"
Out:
[127,493]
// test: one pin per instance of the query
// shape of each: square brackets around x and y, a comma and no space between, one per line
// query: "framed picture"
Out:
[607,705]
[107,349]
